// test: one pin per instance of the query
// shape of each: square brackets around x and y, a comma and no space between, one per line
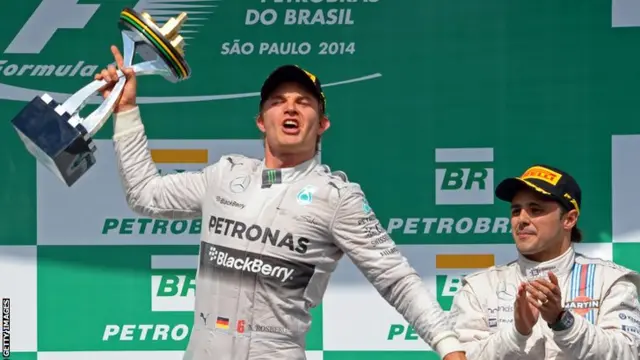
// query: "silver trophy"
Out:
[59,138]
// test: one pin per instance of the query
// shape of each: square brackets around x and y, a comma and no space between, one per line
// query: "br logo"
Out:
[464,176]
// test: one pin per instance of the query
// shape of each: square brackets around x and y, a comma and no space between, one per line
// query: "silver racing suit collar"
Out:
[560,266]
[286,175]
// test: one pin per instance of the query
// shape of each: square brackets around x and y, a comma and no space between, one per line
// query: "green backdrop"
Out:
[419,93]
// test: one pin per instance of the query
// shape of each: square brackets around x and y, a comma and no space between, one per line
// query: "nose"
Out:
[523,219]
[290,108]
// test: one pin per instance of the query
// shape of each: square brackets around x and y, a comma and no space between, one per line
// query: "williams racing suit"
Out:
[270,240]
[602,296]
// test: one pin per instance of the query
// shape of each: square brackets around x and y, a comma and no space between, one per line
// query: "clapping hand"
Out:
[525,314]
[545,295]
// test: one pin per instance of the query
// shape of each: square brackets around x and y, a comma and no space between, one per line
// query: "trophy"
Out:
[55,133]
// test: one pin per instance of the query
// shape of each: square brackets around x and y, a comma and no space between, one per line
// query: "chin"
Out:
[289,139]
[291,145]
[287,148]
[529,247]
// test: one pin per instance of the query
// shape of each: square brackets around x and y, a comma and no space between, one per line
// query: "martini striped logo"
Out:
[582,293]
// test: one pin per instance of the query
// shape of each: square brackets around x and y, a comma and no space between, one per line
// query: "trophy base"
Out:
[66,151]
[148,33]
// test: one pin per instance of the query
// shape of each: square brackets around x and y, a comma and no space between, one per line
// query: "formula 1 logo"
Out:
[40,56]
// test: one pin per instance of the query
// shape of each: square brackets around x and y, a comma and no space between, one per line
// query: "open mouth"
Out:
[291,126]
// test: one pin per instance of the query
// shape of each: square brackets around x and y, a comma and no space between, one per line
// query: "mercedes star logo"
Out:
[239,184]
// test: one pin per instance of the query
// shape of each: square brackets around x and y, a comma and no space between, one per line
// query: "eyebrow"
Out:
[530,203]
[282,97]
[276,97]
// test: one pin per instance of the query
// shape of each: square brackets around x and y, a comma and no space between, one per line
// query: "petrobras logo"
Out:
[463,179]
[451,268]
[62,44]
[452,263]
[173,282]
[113,222]
[464,176]
[168,161]
[173,286]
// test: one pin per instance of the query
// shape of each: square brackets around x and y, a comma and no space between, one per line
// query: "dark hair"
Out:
[576,234]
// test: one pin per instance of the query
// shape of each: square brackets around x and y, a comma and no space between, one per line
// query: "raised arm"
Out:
[173,196]
[357,231]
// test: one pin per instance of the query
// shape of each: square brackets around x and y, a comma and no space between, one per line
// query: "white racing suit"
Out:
[602,296]
[270,240]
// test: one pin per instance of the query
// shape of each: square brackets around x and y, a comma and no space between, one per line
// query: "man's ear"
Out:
[570,219]
[324,124]
[260,123]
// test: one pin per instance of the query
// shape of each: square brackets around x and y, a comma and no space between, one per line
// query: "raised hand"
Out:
[545,295]
[525,314]
[127,99]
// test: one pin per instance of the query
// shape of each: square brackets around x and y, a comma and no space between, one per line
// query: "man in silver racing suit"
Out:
[273,230]
[552,302]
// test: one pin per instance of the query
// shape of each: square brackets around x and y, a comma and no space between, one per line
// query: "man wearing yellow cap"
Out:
[552,302]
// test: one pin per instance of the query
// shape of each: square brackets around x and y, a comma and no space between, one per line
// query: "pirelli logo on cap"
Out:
[542,173]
